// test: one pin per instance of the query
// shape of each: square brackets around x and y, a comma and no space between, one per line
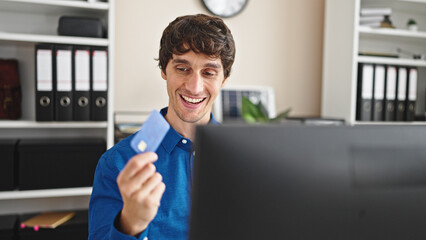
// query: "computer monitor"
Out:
[309,182]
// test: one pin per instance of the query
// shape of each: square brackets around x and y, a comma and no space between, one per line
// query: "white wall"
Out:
[279,43]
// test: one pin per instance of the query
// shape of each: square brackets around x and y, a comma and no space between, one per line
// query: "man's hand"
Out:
[141,188]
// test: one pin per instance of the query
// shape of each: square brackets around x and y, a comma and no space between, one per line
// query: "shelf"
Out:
[48,193]
[392,61]
[24,24]
[414,1]
[388,32]
[49,6]
[36,38]
[33,124]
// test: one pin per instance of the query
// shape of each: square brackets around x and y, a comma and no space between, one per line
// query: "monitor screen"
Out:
[309,182]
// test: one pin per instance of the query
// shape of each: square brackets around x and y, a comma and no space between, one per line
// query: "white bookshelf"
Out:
[392,61]
[23,24]
[45,193]
[33,124]
[37,38]
[344,39]
[387,32]
[46,6]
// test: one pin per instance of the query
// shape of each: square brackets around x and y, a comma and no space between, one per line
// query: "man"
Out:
[146,196]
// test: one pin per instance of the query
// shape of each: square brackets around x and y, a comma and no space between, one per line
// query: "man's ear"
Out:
[163,75]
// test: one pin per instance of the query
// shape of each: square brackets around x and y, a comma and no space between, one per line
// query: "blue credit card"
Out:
[151,134]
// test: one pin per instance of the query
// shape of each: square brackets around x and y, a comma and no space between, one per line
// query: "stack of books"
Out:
[373,17]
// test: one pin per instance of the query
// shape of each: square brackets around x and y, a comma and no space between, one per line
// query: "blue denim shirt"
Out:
[175,158]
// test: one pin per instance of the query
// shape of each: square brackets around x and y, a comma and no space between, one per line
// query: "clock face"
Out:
[225,8]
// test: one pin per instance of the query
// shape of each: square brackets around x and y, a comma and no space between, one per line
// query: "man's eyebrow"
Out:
[184,61]
[179,60]
[213,65]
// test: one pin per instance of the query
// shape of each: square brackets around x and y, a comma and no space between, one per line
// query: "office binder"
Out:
[81,84]
[365,92]
[401,94]
[63,102]
[412,94]
[379,91]
[390,93]
[44,82]
[99,84]
[45,163]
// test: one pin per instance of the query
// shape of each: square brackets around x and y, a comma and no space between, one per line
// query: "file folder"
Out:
[379,91]
[63,83]
[390,93]
[44,82]
[81,84]
[412,94]
[401,94]
[365,92]
[99,86]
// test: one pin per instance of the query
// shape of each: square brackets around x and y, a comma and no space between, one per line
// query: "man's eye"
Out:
[182,69]
[209,74]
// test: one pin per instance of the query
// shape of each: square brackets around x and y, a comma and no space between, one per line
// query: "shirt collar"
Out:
[173,138]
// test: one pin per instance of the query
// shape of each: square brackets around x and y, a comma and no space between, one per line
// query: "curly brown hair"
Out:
[200,33]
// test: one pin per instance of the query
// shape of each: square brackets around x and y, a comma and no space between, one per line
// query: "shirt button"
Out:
[184,141]
[145,238]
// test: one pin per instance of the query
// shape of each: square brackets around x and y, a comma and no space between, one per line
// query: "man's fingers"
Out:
[148,186]
[153,198]
[135,164]
[143,175]
[157,193]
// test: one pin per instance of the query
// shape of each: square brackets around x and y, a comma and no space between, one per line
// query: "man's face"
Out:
[193,83]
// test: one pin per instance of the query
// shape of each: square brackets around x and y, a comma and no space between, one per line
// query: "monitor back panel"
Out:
[298,182]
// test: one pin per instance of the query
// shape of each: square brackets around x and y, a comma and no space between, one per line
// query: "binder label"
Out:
[82,70]
[402,84]
[412,89]
[367,82]
[64,70]
[44,70]
[391,83]
[379,89]
[99,70]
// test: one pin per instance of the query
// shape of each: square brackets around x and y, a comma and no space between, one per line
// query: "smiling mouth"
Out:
[192,100]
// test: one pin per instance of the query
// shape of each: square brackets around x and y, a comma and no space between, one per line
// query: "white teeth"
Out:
[192,100]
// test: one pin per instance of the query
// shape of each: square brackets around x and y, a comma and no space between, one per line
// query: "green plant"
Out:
[411,22]
[257,113]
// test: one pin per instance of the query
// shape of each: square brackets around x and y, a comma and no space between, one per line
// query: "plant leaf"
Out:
[281,116]
[250,111]
[249,118]
[263,111]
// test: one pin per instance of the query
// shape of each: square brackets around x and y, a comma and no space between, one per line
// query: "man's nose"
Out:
[195,83]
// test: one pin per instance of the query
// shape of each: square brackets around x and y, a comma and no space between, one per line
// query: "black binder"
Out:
[8,227]
[365,92]
[391,72]
[58,162]
[81,83]
[401,94]
[412,94]
[8,169]
[379,91]
[44,74]
[99,84]
[63,79]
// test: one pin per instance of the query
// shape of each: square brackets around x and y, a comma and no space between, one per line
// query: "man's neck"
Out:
[186,129]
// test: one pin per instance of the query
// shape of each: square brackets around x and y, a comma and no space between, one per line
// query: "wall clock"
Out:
[225,8]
